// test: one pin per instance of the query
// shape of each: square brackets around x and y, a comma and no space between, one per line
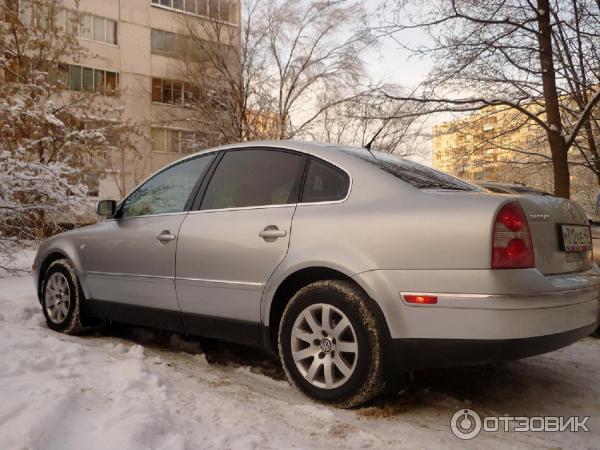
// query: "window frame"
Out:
[197,203]
[103,90]
[233,7]
[191,197]
[93,28]
[163,50]
[179,138]
[186,92]
[336,168]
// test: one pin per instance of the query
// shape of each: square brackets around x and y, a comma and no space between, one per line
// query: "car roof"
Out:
[318,149]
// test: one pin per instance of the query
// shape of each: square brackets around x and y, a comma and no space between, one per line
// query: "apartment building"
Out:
[482,145]
[499,144]
[130,61]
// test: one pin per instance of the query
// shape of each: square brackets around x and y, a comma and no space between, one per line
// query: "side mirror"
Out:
[106,208]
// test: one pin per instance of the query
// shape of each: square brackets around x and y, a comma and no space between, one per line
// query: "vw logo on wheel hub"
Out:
[326,345]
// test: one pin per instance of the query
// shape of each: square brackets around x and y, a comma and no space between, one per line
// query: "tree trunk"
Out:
[593,148]
[558,146]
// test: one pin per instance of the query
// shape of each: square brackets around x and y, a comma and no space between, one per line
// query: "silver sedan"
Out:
[354,267]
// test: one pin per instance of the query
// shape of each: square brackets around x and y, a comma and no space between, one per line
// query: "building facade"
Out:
[487,145]
[130,59]
[501,144]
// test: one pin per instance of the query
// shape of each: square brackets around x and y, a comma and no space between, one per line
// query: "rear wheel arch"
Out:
[299,279]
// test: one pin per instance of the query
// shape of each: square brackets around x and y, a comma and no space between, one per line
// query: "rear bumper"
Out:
[484,305]
[414,354]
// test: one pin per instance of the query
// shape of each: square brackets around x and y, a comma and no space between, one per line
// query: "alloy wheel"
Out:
[324,346]
[57,297]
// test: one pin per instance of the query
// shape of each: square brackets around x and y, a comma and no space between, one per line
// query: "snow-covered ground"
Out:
[131,388]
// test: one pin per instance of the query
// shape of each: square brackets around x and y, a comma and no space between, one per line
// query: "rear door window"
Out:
[254,177]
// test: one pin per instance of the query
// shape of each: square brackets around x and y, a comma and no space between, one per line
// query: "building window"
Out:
[223,10]
[168,140]
[91,80]
[32,13]
[29,13]
[87,76]
[96,28]
[162,41]
[84,30]
[170,91]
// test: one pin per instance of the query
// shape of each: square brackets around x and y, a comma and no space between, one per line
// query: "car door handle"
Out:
[165,237]
[271,232]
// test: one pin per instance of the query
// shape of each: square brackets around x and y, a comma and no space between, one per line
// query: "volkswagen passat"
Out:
[353,266]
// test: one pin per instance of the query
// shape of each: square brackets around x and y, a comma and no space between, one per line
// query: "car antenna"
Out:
[376,135]
[369,144]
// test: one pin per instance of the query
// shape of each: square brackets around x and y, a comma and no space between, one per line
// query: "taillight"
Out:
[511,242]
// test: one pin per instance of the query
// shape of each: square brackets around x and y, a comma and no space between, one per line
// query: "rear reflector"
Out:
[420,299]
[512,247]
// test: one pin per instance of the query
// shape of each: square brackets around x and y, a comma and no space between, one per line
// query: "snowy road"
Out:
[130,388]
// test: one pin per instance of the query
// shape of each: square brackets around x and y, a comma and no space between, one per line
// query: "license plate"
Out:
[576,238]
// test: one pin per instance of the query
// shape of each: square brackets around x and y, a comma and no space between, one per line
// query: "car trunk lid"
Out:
[545,216]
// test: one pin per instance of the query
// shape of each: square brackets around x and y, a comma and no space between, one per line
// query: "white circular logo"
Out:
[465,424]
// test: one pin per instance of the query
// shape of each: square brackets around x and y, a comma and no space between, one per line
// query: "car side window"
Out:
[254,177]
[324,183]
[168,191]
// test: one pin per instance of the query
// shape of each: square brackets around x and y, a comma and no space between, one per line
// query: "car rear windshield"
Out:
[417,175]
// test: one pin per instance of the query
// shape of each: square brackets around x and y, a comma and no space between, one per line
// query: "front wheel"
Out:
[330,344]
[61,298]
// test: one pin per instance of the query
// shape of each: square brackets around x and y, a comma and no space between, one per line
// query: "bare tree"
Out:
[368,119]
[267,79]
[55,144]
[223,65]
[538,58]
[33,38]
[86,129]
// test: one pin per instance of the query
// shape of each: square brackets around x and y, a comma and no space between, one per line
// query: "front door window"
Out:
[167,191]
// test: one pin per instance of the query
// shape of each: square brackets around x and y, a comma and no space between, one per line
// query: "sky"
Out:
[392,64]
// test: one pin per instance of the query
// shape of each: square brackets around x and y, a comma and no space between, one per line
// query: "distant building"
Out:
[499,144]
[261,125]
[481,146]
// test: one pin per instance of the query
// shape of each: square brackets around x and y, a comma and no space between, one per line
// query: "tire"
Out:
[62,298]
[355,374]
[596,333]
